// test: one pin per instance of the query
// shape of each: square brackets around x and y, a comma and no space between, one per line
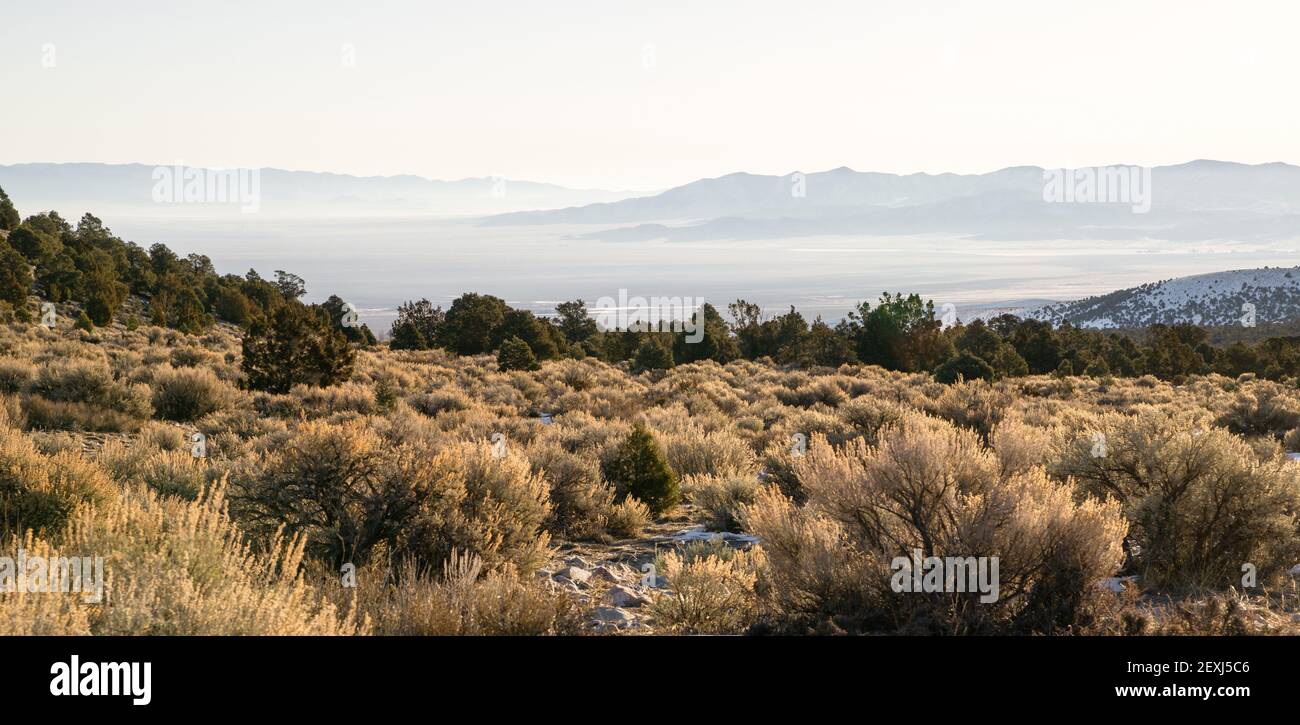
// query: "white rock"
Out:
[1115,583]
[574,574]
[699,533]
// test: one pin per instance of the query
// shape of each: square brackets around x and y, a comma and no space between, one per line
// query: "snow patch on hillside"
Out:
[1244,296]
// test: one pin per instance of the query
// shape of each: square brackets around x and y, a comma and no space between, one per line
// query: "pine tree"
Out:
[652,355]
[574,321]
[9,217]
[298,345]
[515,354]
[417,326]
[963,366]
[406,336]
[639,469]
[104,294]
[470,322]
[15,278]
[187,313]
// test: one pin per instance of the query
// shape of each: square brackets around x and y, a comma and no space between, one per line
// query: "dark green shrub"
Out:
[652,355]
[639,469]
[965,366]
[515,354]
[299,345]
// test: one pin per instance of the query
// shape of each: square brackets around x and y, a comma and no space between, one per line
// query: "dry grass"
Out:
[396,471]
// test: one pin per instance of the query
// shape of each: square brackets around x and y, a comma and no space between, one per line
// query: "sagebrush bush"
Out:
[974,404]
[174,472]
[488,506]
[627,519]
[708,594]
[1292,440]
[820,392]
[81,394]
[339,487]
[349,397]
[581,501]
[779,469]
[1201,501]
[177,568]
[462,600]
[188,357]
[1019,447]
[74,381]
[695,452]
[189,394]
[1262,409]
[932,488]
[40,492]
[723,498]
[347,492]
[869,415]
[164,437]
[58,441]
[14,375]
[42,414]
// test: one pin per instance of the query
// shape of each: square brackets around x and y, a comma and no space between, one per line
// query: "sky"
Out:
[643,96]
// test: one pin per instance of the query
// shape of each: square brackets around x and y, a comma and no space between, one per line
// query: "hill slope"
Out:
[1219,298]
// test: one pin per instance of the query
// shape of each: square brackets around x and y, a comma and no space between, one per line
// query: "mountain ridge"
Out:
[41,184]
[1234,297]
[1201,199]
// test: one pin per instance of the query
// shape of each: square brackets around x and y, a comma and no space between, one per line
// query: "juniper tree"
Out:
[515,354]
[639,468]
[298,345]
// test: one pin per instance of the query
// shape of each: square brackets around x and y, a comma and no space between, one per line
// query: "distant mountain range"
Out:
[1195,201]
[1241,297]
[39,186]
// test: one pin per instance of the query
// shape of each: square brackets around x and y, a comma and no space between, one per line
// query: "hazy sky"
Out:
[643,95]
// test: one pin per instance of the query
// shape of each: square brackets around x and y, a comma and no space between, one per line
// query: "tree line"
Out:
[288,342]
[898,332]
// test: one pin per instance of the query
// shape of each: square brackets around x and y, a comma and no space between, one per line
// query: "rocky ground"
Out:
[616,583]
